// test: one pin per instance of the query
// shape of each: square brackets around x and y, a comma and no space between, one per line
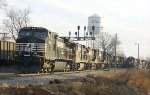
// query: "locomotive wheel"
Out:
[90,66]
[74,67]
[97,66]
[87,66]
[71,67]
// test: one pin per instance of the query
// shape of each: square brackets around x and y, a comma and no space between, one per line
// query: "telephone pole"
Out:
[115,51]
[138,53]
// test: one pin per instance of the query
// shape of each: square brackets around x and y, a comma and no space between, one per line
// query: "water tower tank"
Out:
[94,20]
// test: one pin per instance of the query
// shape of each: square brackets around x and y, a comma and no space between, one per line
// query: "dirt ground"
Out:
[132,82]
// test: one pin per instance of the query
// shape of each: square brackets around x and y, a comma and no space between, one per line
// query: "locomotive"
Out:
[40,50]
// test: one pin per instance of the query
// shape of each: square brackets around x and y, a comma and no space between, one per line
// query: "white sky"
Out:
[130,19]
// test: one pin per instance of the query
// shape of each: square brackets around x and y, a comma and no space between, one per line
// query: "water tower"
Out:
[94,21]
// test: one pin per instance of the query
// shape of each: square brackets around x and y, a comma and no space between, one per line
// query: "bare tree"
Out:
[104,41]
[107,43]
[16,19]
[3,3]
[114,41]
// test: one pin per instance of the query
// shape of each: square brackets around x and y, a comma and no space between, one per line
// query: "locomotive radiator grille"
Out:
[31,47]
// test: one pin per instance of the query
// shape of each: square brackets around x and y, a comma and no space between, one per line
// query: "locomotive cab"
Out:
[30,49]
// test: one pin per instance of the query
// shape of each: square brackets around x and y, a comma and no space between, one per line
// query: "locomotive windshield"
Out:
[25,33]
[40,33]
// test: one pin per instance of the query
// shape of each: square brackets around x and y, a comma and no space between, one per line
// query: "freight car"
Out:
[38,49]
[7,53]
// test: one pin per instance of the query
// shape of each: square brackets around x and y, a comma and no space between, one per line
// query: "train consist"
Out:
[7,53]
[40,50]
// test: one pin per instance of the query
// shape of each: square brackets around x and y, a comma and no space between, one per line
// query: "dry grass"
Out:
[132,82]
[29,90]
[140,79]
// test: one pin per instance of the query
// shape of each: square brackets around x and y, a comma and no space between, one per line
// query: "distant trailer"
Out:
[7,53]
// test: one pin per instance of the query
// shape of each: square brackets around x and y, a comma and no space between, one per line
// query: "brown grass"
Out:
[140,79]
[132,82]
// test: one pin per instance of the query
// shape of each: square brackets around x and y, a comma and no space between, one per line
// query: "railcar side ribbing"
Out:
[7,53]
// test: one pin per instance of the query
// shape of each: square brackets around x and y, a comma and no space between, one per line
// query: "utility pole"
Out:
[138,53]
[115,51]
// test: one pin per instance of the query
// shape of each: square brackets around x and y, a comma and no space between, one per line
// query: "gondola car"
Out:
[7,53]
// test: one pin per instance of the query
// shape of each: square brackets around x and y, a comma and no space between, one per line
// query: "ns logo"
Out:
[29,47]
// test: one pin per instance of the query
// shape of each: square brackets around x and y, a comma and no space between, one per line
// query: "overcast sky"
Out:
[130,19]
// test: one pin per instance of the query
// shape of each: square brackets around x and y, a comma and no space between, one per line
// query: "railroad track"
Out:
[35,74]
[41,74]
